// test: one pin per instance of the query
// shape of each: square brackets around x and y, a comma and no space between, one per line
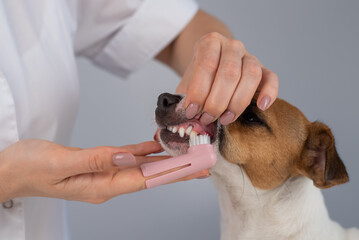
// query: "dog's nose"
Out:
[166,100]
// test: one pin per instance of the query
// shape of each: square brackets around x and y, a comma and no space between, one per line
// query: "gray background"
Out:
[311,45]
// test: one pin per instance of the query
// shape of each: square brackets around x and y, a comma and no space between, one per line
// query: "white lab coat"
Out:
[39,90]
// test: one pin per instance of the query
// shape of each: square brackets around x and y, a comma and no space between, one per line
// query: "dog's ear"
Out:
[319,159]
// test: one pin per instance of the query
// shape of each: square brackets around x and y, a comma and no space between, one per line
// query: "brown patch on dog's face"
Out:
[274,145]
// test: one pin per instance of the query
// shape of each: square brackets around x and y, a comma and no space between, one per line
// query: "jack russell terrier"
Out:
[270,166]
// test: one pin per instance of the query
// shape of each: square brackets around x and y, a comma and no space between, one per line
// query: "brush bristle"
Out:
[199,139]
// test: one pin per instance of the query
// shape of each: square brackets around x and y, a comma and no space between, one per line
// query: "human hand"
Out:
[222,78]
[41,168]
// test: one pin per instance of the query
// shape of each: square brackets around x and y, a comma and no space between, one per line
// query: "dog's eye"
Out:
[249,117]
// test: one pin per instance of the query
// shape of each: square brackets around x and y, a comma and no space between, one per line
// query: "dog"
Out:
[270,168]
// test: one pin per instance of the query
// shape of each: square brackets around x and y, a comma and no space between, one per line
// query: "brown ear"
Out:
[320,161]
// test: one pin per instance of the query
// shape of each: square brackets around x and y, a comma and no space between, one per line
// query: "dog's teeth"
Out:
[192,138]
[181,132]
[188,130]
[170,128]
[193,134]
[174,129]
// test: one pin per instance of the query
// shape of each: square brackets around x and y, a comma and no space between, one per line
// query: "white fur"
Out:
[295,210]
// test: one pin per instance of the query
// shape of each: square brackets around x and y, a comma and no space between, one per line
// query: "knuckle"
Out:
[207,52]
[137,148]
[273,76]
[212,36]
[254,70]
[236,45]
[95,164]
[209,62]
[231,69]
[208,41]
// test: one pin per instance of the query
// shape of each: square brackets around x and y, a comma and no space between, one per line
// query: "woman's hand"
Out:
[42,168]
[222,79]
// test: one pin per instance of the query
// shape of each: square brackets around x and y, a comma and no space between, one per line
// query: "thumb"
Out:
[100,159]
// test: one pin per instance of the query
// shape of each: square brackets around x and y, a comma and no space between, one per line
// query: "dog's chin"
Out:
[172,143]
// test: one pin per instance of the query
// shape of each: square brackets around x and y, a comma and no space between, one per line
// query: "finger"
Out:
[147,159]
[99,159]
[198,175]
[132,180]
[144,148]
[268,89]
[156,136]
[100,187]
[127,181]
[205,63]
[186,79]
[226,80]
[247,86]
[139,156]
[74,148]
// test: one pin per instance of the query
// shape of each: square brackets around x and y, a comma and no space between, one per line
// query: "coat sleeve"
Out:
[120,36]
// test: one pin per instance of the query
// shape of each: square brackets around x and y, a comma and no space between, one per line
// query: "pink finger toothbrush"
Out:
[200,156]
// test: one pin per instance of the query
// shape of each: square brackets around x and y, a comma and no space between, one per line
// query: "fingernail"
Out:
[226,118]
[263,105]
[124,159]
[204,177]
[206,118]
[191,110]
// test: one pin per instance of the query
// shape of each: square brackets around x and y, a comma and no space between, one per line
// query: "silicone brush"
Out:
[200,156]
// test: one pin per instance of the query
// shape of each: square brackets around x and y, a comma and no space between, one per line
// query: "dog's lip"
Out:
[174,141]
